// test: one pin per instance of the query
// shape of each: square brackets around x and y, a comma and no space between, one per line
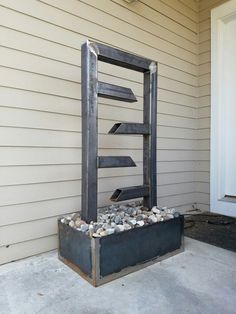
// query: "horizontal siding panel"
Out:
[79,10]
[54,190]
[177,86]
[39,49]
[37,101]
[41,138]
[27,231]
[203,144]
[44,138]
[205,35]
[173,14]
[133,17]
[175,178]
[192,4]
[176,189]
[176,166]
[203,166]
[207,5]
[177,200]
[54,86]
[204,90]
[183,9]
[16,117]
[203,155]
[178,75]
[205,68]
[157,16]
[204,101]
[204,79]
[203,198]
[63,27]
[204,133]
[203,123]
[202,187]
[203,177]
[204,112]
[204,57]
[13,214]
[17,175]
[204,46]
[176,98]
[28,248]
[177,110]
[204,25]
[15,98]
[38,192]
[38,156]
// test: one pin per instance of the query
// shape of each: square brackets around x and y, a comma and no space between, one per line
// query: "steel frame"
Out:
[93,52]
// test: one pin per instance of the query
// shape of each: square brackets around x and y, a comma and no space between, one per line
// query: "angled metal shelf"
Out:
[115,161]
[130,128]
[111,91]
[92,89]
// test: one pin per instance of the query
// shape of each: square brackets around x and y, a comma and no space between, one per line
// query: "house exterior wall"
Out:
[204,103]
[40,138]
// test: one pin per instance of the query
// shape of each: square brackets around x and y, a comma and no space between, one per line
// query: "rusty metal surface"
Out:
[139,245]
[117,255]
[115,161]
[89,132]
[116,92]
[130,128]
[75,246]
[150,140]
[122,58]
[91,89]
[130,192]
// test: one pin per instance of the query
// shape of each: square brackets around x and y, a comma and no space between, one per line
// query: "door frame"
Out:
[218,203]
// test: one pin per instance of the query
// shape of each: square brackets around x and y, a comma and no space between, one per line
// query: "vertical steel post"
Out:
[89,132]
[149,141]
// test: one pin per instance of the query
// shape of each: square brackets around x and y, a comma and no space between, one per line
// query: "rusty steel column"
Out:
[89,131]
[149,141]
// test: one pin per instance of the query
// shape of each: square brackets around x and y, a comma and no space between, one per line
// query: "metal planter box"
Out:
[99,260]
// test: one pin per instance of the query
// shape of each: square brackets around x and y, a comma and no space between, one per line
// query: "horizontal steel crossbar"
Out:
[115,161]
[122,58]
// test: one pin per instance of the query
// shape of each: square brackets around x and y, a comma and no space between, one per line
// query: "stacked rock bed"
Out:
[118,218]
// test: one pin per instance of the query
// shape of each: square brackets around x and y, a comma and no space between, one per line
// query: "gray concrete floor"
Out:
[200,280]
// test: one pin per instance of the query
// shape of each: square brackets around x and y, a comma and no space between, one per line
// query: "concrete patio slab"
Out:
[200,280]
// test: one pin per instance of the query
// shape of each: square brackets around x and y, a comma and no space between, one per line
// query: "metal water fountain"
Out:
[100,260]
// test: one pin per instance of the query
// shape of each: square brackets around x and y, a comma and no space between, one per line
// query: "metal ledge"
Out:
[116,92]
[128,193]
[115,161]
[130,128]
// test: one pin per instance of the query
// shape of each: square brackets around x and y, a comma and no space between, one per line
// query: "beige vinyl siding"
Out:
[40,120]
[204,106]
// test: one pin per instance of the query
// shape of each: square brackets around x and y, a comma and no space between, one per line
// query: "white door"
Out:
[223,109]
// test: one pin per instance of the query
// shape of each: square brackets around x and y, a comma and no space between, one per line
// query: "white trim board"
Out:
[221,17]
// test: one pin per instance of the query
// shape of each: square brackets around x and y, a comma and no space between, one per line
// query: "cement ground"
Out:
[200,280]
